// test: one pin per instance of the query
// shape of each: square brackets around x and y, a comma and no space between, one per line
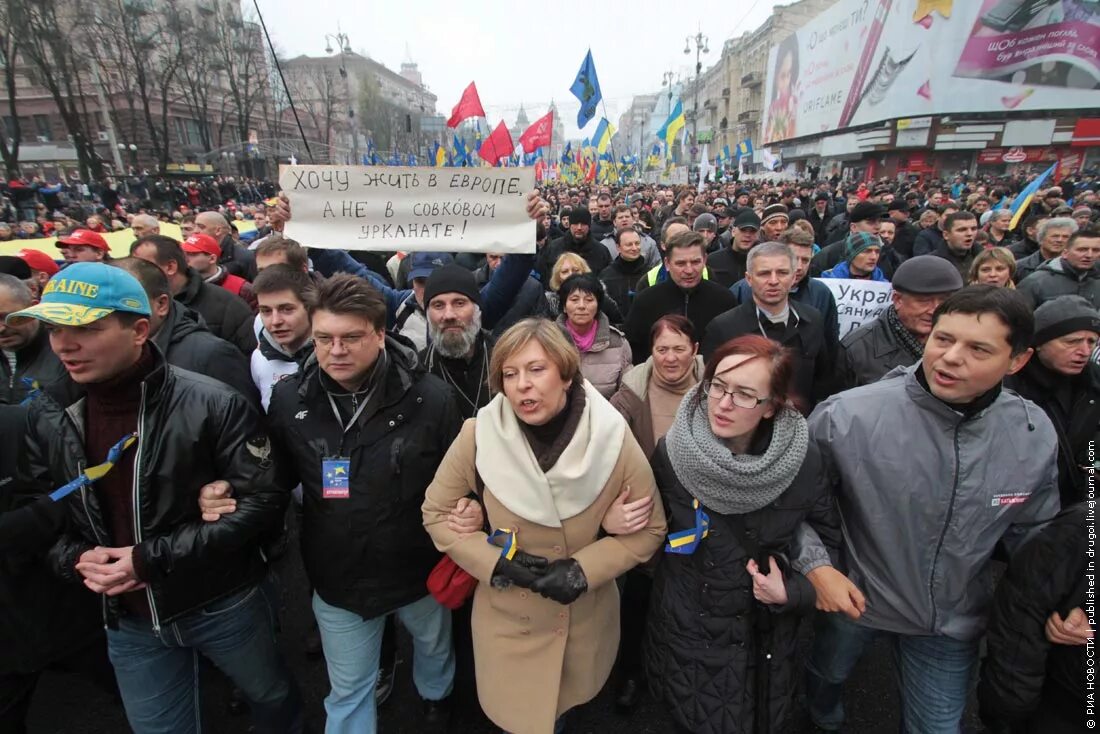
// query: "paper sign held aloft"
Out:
[858,301]
[398,208]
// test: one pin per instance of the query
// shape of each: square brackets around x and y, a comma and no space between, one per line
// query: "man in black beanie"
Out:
[1063,380]
[458,348]
[579,240]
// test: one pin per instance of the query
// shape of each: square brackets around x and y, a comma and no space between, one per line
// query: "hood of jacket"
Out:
[272,350]
[403,365]
[1058,266]
[180,322]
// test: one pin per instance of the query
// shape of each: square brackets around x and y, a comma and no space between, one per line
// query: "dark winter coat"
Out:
[42,619]
[962,263]
[35,364]
[619,278]
[367,553]
[717,659]
[804,333]
[226,315]
[1027,265]
[189,345]
[928,241]
[868,353]
[595,254]
[237,259]
[727,266]
[809,292]
[701,304]
[905,237]
[1073,406]
[191,431]
[1058,278]
[1023,671]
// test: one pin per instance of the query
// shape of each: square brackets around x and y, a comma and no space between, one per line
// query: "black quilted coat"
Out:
[722,662]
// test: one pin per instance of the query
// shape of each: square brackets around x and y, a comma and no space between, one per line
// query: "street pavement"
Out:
[66,704]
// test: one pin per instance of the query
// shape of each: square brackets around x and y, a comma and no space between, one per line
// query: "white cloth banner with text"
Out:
[407,208]
[858,301]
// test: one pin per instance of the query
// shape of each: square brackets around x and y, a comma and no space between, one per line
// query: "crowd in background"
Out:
[676,456]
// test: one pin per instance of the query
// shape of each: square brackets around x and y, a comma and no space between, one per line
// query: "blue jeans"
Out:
[158,675]
[934,674]
[352,646]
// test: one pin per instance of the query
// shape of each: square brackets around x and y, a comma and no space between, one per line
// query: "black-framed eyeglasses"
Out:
[739,398]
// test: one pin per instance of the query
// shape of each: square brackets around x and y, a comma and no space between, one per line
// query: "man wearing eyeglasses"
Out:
[772,269]
[363,429]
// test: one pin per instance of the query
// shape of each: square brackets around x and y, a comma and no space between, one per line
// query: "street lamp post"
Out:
[701,47]
[344,45]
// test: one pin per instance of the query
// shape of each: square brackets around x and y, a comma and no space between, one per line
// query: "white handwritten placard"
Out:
[397,208]
[858,301]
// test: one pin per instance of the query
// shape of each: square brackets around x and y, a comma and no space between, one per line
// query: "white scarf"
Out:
[510,470]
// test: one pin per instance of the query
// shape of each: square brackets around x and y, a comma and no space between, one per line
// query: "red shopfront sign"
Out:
[916,163]
[1000,156]
[1086,132]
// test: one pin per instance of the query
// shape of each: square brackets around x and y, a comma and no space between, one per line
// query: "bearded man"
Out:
[459,349]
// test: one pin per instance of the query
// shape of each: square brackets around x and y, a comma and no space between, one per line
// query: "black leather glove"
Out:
[564,581]
[522,570]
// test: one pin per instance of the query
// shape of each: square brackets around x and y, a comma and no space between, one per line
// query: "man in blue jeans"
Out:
[126,442]
[931,468]
[363,429]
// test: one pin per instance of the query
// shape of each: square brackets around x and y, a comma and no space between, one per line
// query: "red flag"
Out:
[497,145]
[468,106]
[538,134]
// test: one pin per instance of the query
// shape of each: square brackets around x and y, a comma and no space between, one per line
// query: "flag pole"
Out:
[611,140]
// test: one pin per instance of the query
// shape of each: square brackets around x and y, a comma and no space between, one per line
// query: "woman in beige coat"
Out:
[553,456]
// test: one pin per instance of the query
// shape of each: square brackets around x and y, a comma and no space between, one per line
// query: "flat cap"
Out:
[926,274]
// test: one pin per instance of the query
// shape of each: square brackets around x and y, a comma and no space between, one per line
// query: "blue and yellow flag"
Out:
[744,147]
[461,157]
[672,126]
[1023,200]
[439,155]
[604,131]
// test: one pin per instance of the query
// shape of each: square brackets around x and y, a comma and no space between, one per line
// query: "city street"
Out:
[65,704]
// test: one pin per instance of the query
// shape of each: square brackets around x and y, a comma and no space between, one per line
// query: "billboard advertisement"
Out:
[865,61]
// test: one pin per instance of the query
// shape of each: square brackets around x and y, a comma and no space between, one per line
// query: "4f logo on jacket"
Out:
[301,415]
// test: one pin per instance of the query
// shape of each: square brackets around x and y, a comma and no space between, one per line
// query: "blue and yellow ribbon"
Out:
[33,388]
[509,548]
[686,541]
[92,473]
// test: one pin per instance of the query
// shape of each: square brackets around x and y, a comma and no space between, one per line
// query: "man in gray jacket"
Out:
[932,467]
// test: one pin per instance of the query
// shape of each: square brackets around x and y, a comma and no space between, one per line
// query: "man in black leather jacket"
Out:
[128,442]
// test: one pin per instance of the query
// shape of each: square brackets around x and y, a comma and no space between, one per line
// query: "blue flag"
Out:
[461,157]
[1023,200]
[411,160]
[586,88]
[567,154]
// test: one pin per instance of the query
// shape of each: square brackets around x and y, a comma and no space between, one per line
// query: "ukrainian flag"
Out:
[672,126]
[1023,200]
[604,131]
[744,147]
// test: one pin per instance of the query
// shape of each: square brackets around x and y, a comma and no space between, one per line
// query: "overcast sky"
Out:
[519,53]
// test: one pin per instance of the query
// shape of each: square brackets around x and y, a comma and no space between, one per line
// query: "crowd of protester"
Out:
[645,454]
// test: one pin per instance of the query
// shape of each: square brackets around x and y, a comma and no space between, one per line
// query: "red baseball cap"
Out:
[38,260]
[202,243]
[84,237]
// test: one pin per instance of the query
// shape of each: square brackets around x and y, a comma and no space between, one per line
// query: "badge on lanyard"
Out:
[335,478]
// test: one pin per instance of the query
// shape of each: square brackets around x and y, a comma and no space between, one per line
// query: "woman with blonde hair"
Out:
[995,266]
[548,457]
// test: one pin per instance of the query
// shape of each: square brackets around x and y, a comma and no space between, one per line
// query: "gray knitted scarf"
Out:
[733,484]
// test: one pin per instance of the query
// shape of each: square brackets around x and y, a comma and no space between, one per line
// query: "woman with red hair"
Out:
[738,476]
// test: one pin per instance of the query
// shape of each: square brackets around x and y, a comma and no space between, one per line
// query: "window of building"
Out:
[42,127]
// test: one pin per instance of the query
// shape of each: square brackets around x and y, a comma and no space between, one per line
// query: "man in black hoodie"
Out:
[182,334]
[225,314]
[620,276]
[579,240]
[1063,380]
